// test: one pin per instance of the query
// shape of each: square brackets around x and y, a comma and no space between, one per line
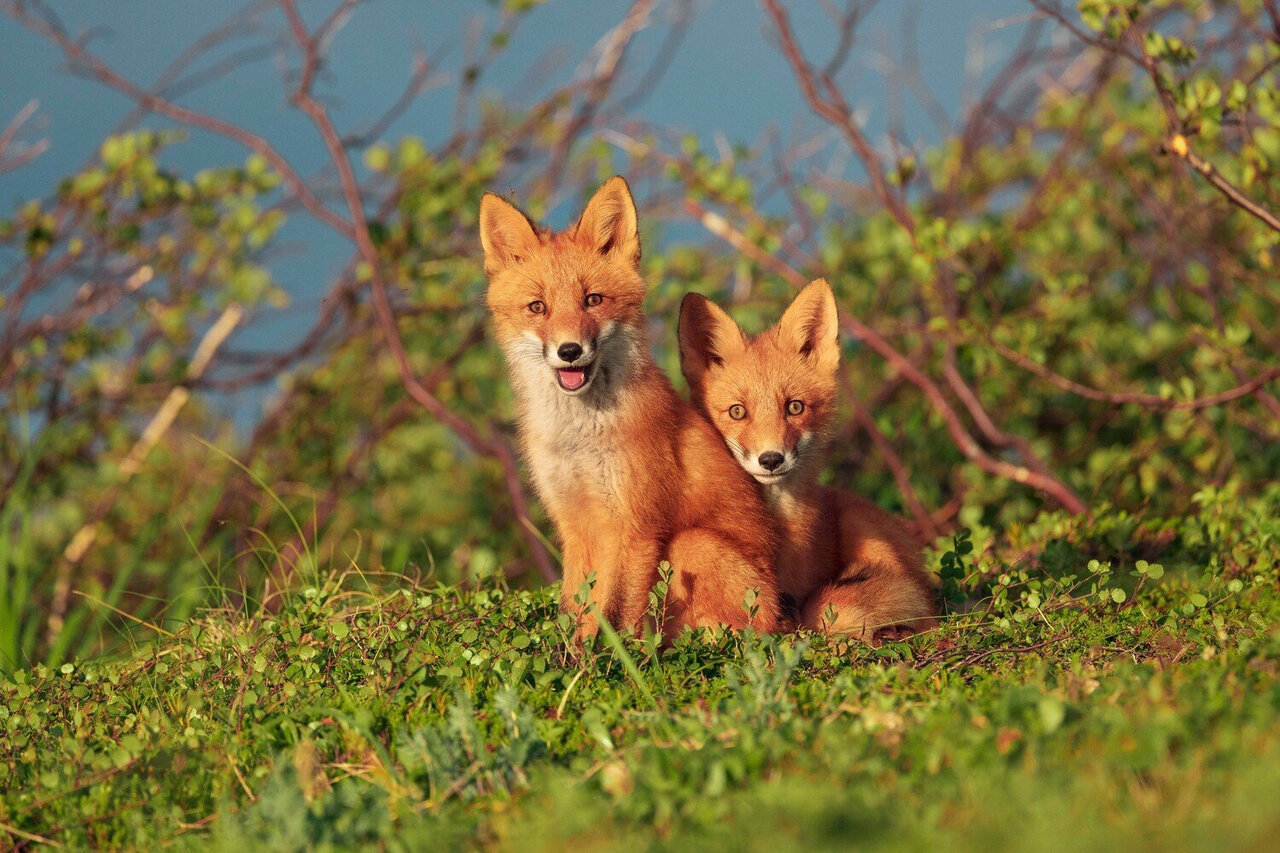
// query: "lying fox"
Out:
[853,568]
[630,474]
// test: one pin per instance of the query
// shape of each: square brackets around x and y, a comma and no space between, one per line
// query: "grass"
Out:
[1108,684]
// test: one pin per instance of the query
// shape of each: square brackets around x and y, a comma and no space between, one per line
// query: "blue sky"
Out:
[727,79]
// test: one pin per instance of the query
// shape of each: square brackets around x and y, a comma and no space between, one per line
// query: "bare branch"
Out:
[87,62]
[19,158]
[494,447]
[1154,401]
[825,99]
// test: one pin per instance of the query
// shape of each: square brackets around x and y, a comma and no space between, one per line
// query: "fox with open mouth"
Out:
[630,473]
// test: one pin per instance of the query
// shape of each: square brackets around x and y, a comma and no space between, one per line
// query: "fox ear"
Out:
[707,337]
[506,234]
[609,224]
[810,326]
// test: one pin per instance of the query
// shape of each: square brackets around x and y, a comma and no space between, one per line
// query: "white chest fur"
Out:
[573,444]
[574,449]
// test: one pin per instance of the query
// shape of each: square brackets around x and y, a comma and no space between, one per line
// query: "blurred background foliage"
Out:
[1069,309]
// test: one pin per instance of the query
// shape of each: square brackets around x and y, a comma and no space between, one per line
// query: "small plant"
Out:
[751,604]
[955,570]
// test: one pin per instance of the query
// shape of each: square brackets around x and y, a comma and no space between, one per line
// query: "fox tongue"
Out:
[572,378]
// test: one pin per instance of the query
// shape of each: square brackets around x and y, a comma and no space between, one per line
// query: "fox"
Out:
[850,567]
[629,473]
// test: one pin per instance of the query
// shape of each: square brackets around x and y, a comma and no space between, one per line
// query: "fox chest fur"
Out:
[807,554]
[576,452]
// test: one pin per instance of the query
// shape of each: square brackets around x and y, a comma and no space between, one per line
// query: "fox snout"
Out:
[571,353]
[767,466]
[573,362]
[771,460]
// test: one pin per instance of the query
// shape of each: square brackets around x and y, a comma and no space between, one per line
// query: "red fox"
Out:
[852,567]
[630,474]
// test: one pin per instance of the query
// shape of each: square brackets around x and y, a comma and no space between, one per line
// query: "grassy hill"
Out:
[1103,684]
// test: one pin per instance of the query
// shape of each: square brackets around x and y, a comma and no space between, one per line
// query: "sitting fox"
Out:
[853,568]
[630,474]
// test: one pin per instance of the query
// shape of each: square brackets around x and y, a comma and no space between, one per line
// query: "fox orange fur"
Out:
[772,398]
[630,474]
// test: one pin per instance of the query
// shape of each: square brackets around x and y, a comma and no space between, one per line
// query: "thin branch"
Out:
[1179,147]
[1134,397]
[81,58]
[924,519]
[155,429]
[9,162]
[1177,143]
[833,107]
[494,447]
[612,49]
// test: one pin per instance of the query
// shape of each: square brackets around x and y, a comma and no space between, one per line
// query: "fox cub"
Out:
[630,473]
[853,568]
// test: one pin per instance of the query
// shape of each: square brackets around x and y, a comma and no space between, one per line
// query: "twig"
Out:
[1179,147]
[10,162]
[494,447]
[159,424]
[28,836]
[612,50]
[78,55]
[1177,143]
[924,519]
[1134,397]
[833,107]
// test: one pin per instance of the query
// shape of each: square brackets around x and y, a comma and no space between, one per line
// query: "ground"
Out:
[1106,683]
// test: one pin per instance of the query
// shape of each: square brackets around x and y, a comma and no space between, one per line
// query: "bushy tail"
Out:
[875,600]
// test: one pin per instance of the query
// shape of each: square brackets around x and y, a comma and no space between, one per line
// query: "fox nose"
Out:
[770,460]
[569,352]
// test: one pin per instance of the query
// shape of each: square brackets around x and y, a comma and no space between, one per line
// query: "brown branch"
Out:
[924,519]
[1177,143]
[1135,397]
[1178,146]
[159,424]
[9,162]
[168,84]
[495,446]
[419,81]
[720,227]
[77,55]
[837,111]
[612,50]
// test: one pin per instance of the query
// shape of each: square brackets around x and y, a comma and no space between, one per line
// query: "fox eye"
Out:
[594,299]
[537,306]
[737,411]
[794,407]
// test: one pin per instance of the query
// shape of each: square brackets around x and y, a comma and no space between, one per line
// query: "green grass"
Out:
[1111,684]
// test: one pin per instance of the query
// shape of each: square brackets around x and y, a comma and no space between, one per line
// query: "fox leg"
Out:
[711,580]
[871,603]
[582,559]
[629,605]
